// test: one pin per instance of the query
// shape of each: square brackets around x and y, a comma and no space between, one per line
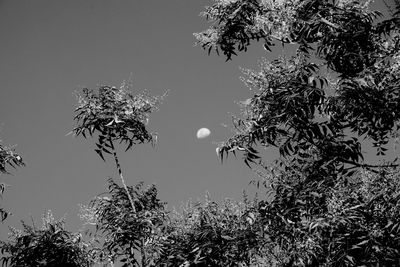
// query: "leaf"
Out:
[98,151]
[350,258]
[105,150]
[130,144]
[247,163]
[355,207]
[362,243]
[266,47]
[3,214]
[226,237]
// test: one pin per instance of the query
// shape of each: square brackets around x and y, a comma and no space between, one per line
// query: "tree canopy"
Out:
[339,92]
[50,245]
[323,203]
[344,77]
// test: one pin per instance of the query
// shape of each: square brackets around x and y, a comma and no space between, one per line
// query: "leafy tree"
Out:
[213,234]
[51,245]
[126,234]
[362,226]
[297,106]
[319,108]
[115,115]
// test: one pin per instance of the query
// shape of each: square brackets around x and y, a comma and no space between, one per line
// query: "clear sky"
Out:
[51,48]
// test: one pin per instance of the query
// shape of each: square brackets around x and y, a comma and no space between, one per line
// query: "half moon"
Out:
[203,133]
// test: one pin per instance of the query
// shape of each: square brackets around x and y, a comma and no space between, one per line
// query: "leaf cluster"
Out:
[125,233]
[355,223]
[213,234]
[290,111]
[50,246]
[115,115]
[340,91]
[9,158]
[233,31]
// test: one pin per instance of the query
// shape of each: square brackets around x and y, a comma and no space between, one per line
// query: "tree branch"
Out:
[327,22]
[369,166]
[120,175]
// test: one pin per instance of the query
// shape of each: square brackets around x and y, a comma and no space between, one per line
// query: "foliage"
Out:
[342,29]
[126,234]
[362,222]
[116,115]
[353,223]
[8,158]
[213,234]
[237,21]
[321,107]
[50,246]
[303,111]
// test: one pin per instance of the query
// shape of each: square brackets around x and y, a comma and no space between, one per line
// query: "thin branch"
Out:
[121,176]
[327,22]
[368,166]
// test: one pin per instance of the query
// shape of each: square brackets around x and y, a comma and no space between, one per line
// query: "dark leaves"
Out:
[115,115]
[124,232]
[233,28]
[9,158]
[50,246]
[213,234]
[3,214]
[317,108]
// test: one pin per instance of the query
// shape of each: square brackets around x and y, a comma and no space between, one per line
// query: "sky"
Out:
[50,49]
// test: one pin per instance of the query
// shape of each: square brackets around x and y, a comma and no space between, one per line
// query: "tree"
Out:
[212,234]
[319,108]
[291,105]
[114,114]
[124,235]
[49,246]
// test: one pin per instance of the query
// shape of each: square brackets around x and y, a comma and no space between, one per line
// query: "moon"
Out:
[203,133]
